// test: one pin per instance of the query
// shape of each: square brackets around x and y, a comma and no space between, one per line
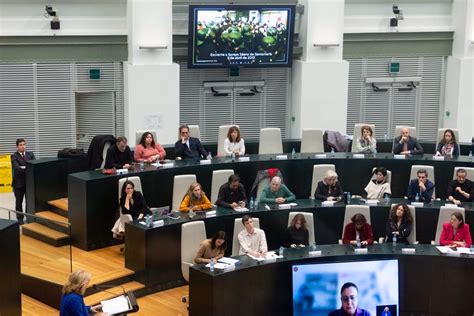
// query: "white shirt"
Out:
[376,191]
[230,147]
[255,241]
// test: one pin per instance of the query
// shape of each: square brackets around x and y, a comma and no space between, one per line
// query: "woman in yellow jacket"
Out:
[195,199]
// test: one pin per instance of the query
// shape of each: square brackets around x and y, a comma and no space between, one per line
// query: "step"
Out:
[115,291]
[49,215]
[45,234]
[113,277]
[60,206]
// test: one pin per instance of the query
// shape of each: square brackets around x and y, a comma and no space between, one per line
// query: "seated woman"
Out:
[195,199]
[211,249]
[72,301]
[329,189]
[358,229]
[297,234]
[448,146]
[378,188]
[456,233]
[400,223]
[234,144]
[366,144]
[148,150]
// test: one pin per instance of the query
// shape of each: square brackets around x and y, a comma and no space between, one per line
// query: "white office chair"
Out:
[388,177]
[350,211]
[192,233]
[139,134]
[238,227]
[469,172]
[411,130]
[318,175]
[356,134]
[119,226]
[223,130]
[219,177]
[312,140]
[180,187]
[444,217]
[431,175]
[104,153]
[270,141]
[309,224]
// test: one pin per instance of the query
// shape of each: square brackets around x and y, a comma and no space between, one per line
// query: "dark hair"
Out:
[299,217]
[443,141]
[20,140]
[422,171]
[358,218]
[461,170]
[382,170]
[246,218]
[233,178]
[348,285]
[122,139]
[183,126]
[124,186]
[144,136]
[219,235]
[231,130]
[407,216]
[367,127]
[460,218]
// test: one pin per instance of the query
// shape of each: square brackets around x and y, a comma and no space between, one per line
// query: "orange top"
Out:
[202,204]
[141,153]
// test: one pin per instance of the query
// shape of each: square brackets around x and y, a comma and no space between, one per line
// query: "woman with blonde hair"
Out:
[329,189]
[195,199]
[72,301]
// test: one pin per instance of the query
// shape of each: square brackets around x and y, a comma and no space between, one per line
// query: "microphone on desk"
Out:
[103,287]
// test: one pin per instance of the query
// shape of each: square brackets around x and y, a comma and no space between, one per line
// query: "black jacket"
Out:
[195,149]
[226,196]
[96,148]
[117,159]
[19,173]
[412,144]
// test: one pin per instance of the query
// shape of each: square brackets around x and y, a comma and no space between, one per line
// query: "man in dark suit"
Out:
[405,144]
[19,159]
[119,155]
[188,147]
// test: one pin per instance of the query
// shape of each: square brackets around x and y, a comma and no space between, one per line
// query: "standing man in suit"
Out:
[19,159]
[187,146]
[405,144]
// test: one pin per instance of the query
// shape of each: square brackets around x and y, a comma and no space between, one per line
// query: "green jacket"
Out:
[268,196]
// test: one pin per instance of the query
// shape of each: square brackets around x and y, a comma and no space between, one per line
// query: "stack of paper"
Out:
[115,305]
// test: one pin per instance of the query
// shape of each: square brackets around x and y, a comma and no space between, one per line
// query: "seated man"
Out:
[232,193]
[187,146]
[277,192]
[461,189]
[349,302]
[119,156]
[421,186]
[405,144]
[252,240]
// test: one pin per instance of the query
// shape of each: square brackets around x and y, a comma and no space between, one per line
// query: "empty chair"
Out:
[312,140]
[469,171]
[219,177]
[411,129]
[350,211]
[270,141]
[318,175]
[192,234]
[223,130]
[444,217]
[194,131]
[309,224]
[429,169]
[238,227]
[356,134]
[180,188]
[139,134]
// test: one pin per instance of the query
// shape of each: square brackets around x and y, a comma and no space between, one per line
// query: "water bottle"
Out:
[349,197]
[394,240]
[332,153]
[417,197]
[142,165]
[211,265]
[252,203]
[209,156]
[149,221]
[386,199]
[232,156]
[256,204]
[280,251]
[313,246]
[375,151]
[470,155]
[358,242]
[293,153]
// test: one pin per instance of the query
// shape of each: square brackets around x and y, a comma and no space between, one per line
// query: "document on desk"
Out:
[241,209]
[115,305]
[448,250]
[270,256]
[228,260]
[218,265]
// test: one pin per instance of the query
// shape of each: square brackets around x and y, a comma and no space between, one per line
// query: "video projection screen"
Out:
[240,36]
[317,288]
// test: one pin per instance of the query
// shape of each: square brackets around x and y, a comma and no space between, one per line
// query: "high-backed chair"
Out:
[219,177]
[238,227]
[444,217]
[357,134]
[318,175]
[119,225]
[412,237]
[194,131]
[469,171]
[270,141]
[429,169]
[181,185]
[192,233]
[411,129]
[223,130]
[309,224]
[388,177]
[350,211]
[261,185]
[139,134]
[312,140]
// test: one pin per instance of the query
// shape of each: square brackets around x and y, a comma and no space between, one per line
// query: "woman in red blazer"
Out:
[358,225]
[456,233]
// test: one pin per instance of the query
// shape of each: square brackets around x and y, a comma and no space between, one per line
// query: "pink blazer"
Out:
[462,234]
[142,153]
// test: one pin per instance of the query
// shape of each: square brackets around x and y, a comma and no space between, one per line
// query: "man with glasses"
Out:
[461,189]
[349,301]
[187,146]
[421,187]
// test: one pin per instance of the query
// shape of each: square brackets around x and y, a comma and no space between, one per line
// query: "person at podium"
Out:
[358,230]
[211,249]
[456,233]
[400,223]
[329,189]
[188,147]
[252,240]
[277,193]
[72,300]
[349,302]
[195,199]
